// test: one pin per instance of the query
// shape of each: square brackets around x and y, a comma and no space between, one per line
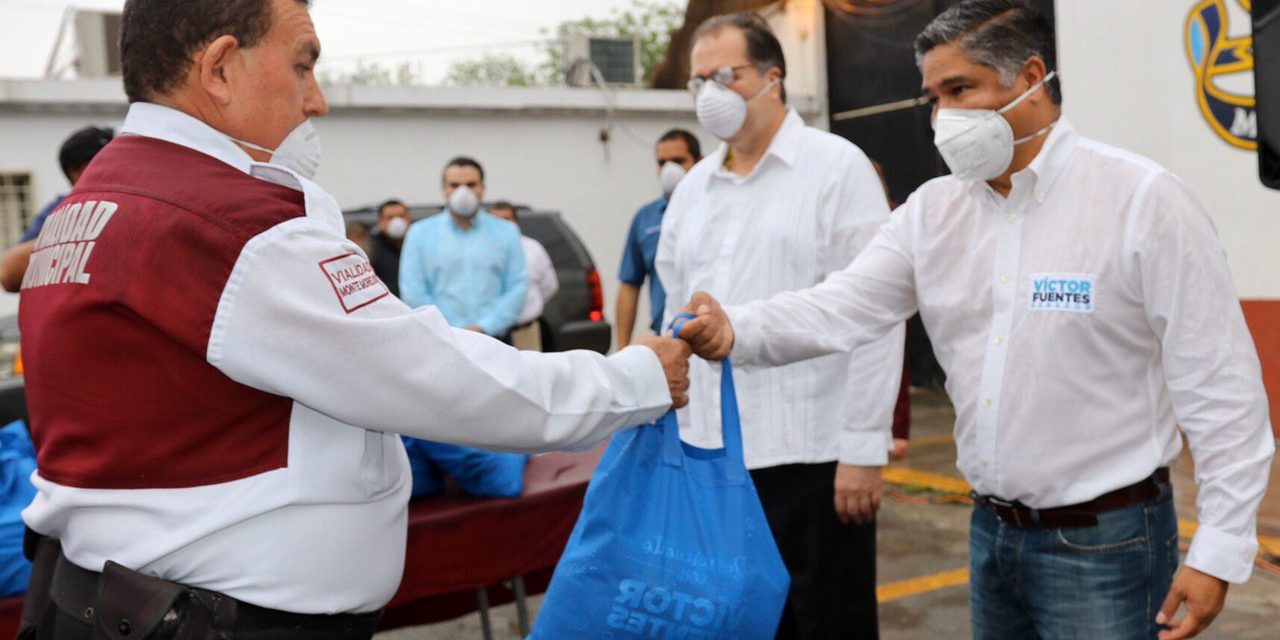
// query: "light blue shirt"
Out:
[474,277]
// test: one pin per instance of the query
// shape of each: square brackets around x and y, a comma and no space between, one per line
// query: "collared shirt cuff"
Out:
[642,366]
[866,449]
[746,330]
[1222,555]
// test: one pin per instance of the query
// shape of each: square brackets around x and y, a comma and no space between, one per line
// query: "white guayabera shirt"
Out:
[806,209]
[1080,321]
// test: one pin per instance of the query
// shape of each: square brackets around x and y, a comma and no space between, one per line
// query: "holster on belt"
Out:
[132,605]
[123,604]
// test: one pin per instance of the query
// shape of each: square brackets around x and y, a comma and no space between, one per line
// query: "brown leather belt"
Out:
[1077,515]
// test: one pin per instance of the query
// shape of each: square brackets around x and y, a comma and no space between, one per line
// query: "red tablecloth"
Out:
[458,544]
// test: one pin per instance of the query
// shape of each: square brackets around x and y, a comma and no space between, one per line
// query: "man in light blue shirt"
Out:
[464,261]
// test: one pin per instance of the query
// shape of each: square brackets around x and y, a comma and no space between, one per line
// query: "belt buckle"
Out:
[1009,507]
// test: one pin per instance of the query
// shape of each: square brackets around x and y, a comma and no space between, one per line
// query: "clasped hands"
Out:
[708,335]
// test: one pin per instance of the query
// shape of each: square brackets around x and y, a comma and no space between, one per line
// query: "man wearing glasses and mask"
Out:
[778,207]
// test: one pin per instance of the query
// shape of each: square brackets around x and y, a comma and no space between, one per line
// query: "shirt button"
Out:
[999,339]
[986,401]
[1013,217]
[1040,195]
[986,463]
[1004,279]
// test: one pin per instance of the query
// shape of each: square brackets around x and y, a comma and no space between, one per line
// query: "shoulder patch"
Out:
[353,281]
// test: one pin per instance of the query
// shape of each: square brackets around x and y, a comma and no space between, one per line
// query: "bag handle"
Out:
[730,420]
[672,452]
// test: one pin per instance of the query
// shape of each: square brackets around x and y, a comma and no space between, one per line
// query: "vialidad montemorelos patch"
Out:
[1073,292]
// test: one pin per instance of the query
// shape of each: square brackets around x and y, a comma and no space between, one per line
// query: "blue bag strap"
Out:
[730,419]
[731,424]
[672,451]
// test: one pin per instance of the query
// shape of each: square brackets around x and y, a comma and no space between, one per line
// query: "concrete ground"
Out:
[923,552]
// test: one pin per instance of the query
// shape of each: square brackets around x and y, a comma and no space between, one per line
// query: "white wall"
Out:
[1127,81]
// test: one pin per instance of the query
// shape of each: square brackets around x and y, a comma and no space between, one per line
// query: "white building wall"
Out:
[1126,81]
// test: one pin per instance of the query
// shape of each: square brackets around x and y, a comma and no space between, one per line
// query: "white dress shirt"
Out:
[543,283]
[1080,321]
[806,209]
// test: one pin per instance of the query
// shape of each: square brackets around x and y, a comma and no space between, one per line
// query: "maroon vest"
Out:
[116,312]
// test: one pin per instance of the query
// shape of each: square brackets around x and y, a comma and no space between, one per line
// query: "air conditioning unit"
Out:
[97,36]
[617,59]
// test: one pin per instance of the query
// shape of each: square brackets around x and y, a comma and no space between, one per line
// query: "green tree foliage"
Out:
[373,74]
[492,70]
[649,21]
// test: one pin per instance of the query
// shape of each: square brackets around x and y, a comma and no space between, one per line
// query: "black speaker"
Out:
[1266,77]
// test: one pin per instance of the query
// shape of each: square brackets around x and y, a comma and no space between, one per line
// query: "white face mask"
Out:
[464,203]
[299,151]
[977,144]
[722,111]
[669,176]
[397,227]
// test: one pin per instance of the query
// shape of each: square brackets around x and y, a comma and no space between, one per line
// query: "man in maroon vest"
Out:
[217,378]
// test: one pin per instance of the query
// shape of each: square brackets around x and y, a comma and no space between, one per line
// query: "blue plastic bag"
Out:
[17,461]
[672,543]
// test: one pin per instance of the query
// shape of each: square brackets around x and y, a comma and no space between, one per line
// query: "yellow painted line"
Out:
[1187,528]
[931,440]
[925,584]
[909,477]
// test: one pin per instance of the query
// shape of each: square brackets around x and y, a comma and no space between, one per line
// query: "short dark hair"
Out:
[463,161]
[389,203]
[1001,34]
[763,49]
[80,147]
[504,204]
[690,141]
[158,37]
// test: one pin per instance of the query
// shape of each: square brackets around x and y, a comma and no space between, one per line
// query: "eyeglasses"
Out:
[722,76]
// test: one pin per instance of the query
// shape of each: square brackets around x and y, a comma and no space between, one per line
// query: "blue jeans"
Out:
[1105,582]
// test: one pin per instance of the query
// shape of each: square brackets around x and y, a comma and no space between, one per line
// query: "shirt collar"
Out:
[1047,165]
[475,220]
[171,125]
[785,146]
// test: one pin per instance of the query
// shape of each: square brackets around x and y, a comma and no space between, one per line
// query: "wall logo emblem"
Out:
[1215,53]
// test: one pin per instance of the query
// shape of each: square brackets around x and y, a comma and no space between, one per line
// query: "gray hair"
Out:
[1000,34]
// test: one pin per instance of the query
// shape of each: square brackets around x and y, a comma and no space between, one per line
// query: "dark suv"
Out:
[574,317]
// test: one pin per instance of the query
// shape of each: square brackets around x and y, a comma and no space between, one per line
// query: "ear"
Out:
[217,66]
[1034,71]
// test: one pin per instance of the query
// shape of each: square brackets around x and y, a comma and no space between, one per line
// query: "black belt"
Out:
[125,603]
[1084,514]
